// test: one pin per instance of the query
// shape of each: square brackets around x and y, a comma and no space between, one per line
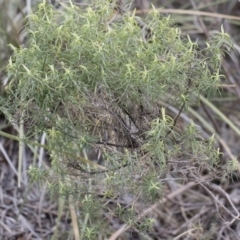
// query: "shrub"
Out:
[97,83]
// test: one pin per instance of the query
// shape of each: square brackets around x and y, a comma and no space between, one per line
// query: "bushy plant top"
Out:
[93,82]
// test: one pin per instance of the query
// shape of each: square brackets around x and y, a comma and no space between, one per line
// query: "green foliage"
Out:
[92,83]
[90,233]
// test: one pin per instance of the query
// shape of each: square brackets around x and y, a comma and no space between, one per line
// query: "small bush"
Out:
[95,83]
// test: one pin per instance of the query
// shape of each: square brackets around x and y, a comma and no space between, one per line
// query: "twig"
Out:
[217,201]
[185,233]
[74,219]
[125,227]
[196,13]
